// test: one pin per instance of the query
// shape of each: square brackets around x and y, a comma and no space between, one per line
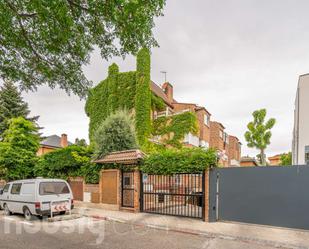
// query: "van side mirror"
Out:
[1,191]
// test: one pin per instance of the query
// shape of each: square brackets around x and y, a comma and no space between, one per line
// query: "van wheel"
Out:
[27,214]
[7,212]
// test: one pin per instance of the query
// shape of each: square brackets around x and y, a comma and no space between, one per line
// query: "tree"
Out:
[286,159]
[81,142]
[259,134]
[18,149]
[116,133]
[12,105]
[48,42]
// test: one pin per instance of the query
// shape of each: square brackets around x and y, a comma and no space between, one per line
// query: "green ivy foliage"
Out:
[96,106]
[157,103]
[65,162]
[186,160]
[112,103]
[115,92]
[18,149]
[173,129]
[143,97]
[128,90]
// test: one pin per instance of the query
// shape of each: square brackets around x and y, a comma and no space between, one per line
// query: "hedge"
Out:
[187,160]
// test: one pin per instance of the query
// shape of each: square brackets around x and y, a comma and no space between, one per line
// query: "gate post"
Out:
[137,190]
[206,196]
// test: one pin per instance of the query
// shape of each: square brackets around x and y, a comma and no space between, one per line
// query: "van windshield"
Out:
[53,188]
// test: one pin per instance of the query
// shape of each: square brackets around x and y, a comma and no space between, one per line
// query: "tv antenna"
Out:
[165,73]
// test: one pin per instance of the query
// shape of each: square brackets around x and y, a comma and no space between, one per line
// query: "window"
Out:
[206,119]
[6,188]
[27,189]
[16,189]
[53,188]
[226,138]
[221,134]
[127,180]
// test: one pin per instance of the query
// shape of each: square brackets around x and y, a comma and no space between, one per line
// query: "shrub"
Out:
[187,160]
[63,163]
[116,133]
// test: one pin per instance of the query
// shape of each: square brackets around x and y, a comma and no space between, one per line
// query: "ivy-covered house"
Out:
[159,118]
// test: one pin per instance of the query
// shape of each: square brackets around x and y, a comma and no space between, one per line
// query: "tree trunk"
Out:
[263,161]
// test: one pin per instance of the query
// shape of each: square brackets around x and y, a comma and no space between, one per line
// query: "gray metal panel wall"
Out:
[277,196]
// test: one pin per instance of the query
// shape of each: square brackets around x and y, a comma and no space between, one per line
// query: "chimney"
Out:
[168,90]
[64,140]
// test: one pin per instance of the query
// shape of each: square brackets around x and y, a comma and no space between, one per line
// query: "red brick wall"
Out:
[215,140]
[234,149]
[204,130]
[183,106]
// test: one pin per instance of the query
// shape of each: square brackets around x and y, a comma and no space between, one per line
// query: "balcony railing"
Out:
[168,113]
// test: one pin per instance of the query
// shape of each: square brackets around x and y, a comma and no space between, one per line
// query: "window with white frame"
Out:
[206,119]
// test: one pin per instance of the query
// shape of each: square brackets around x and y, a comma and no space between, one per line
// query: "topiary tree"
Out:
[18,149]
[116,133]
[259,134]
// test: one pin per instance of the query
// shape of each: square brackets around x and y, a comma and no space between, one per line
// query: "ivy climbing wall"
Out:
[131,91]
[128,90]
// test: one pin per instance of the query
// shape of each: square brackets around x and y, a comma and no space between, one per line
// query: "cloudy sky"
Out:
[231,56]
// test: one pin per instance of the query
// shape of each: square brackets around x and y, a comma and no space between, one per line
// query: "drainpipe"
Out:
[298,111]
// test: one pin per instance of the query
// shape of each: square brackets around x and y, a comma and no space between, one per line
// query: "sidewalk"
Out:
[272,236]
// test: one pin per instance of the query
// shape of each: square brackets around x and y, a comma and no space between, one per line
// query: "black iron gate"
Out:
[127,198]
[178,194]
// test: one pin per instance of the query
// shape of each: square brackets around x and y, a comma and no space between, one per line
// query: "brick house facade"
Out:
[234,151]
[52,143]
[211,133]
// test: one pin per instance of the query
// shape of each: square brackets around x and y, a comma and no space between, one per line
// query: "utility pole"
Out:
[165,73]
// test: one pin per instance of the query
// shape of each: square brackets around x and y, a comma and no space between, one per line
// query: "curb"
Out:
[64,218]
[201,233]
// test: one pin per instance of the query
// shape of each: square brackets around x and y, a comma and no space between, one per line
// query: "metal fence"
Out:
[178,194]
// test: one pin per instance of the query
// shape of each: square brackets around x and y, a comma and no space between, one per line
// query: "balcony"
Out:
[192,140]
[168,112]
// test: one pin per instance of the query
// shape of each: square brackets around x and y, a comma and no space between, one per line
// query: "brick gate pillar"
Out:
[137,190]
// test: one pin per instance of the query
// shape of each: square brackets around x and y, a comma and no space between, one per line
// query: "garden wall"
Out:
[92,193]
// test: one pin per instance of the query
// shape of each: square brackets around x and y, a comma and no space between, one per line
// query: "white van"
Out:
[36,197]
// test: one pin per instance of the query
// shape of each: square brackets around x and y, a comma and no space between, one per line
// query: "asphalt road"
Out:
[88,233]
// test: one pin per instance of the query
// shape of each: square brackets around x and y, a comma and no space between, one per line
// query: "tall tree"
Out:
[48,42]
[259,133]
[18,149]
[12,105]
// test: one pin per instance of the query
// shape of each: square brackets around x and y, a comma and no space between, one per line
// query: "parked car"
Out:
[36,197]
